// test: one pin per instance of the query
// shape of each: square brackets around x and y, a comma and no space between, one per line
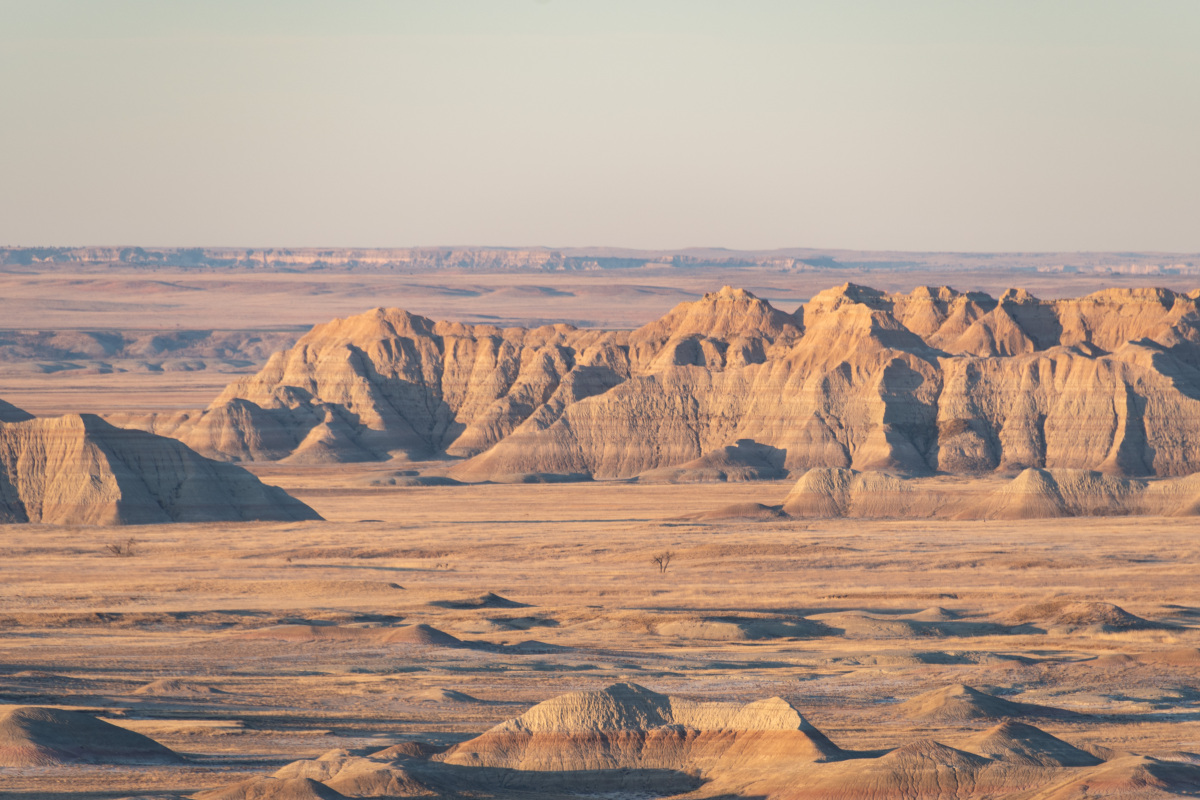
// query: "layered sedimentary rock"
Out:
[627,726]
[931,381]
[831,492]
[626,740]
[78,469]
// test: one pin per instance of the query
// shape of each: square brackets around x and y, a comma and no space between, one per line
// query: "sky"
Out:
[931,125]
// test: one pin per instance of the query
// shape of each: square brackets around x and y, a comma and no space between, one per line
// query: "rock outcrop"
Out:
[824,492]
[78,469]
[931,381]
[627,726]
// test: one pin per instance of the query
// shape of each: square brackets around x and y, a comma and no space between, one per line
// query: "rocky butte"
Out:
[934,381]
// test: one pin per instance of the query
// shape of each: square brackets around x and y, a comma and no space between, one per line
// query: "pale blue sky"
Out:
[920,125]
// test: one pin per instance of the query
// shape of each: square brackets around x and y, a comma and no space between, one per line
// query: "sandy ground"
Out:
[745,611]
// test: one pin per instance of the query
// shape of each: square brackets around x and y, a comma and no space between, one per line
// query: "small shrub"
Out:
[121,549]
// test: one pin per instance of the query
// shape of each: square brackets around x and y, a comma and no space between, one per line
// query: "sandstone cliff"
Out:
[931,381]
[78,469]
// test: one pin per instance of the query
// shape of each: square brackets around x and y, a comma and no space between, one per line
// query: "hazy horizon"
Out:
[931,126]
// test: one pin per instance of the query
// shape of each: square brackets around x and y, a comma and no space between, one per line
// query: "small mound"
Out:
[175,687]
[366,780]
[407,750]
[1033,494]
[746,460]
[31,736]
[486,600]
[272,789]
[959,703]
[421,634]
[402,480]
[926,753]
[444,696]
[756,512]
[529,646]
[1129,776]
[829,492]
[1177,657]
[933,614]
[543,477]
[1045,493]
[1066,613]
[1017,743]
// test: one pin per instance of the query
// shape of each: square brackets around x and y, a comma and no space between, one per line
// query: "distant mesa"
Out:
[957,703]
[31,736]
[727,387]
[78,469]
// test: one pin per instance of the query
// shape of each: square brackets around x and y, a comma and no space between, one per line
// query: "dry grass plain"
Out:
[832,615]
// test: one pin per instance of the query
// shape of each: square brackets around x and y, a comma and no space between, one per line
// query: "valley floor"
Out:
[843,618]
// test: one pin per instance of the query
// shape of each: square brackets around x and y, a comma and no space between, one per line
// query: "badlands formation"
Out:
[934,381]
[876,547]
[79,469]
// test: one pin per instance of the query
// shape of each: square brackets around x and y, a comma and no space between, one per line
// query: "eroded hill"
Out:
[78,469]
[931,381]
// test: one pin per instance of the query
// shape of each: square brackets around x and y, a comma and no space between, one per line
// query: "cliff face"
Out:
[934,380]
[78,469]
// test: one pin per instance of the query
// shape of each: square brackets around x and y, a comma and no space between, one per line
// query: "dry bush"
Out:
[662,560]
[121,549]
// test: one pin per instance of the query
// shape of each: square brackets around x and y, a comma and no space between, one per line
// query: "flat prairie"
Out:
[243,647]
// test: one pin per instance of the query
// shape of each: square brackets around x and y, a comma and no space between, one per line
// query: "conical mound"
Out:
[273,789]
[420,634]
[959,703]
[824,492]
[1068,613]
[1017,743]
[174,687]
[925,753]
[485,600]
[1033,494]
[444,696]
[31,736]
